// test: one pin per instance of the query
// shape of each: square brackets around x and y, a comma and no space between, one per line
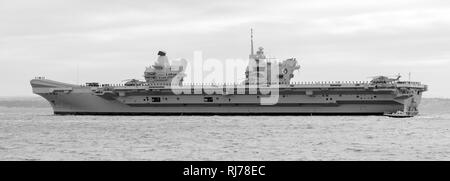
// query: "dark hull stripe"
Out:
[213,114]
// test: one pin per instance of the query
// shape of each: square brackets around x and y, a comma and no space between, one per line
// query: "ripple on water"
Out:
[36,134]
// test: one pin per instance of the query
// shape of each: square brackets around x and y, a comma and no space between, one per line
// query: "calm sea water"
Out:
[29,131]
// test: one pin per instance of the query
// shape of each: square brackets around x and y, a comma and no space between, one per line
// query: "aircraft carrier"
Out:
[267,89]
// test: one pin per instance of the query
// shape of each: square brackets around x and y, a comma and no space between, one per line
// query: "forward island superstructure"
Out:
[267,89]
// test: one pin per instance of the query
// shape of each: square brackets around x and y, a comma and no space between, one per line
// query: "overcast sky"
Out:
[109,41]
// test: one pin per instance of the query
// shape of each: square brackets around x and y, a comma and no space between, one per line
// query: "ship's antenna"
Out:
[251,41]
[78,73]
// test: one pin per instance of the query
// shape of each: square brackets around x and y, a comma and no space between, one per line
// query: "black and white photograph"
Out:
[228,80]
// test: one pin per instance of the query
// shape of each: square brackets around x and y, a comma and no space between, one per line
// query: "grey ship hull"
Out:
[294,99]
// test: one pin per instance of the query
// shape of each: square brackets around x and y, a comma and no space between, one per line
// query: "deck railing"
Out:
[292,84]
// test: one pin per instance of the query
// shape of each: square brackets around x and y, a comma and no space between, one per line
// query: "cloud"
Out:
[385,22]
[418,63]
[119,38]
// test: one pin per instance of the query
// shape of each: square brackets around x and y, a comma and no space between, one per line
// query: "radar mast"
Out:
[251,43]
